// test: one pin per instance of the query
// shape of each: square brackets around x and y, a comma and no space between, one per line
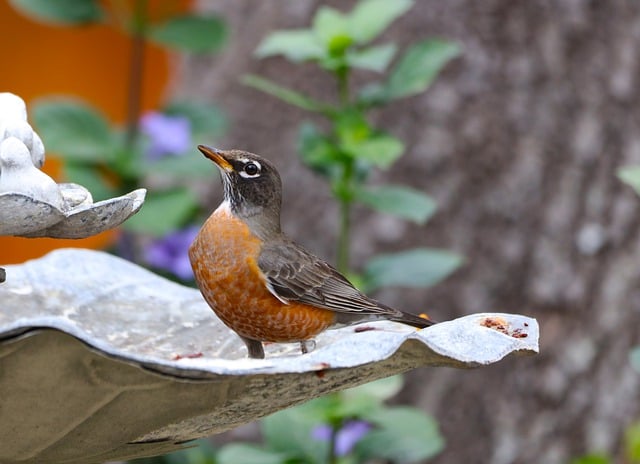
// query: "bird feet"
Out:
[307,346]
[254,347]
[256,350]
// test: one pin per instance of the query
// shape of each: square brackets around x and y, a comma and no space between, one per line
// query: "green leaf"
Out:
[372,94]
[419,267]
[74,130]
[352,128]
[163,212]
[235,453]
[295,45]
[419,66]
[290,431]
[370,17]
[190,164]
[382,389]
[400,201]
[89,177]
[72,12]
[632,443]
[630,175]
[290,96]
[634,358]
[592,459]
[317,151]
[380,149]
[373,58]
[191,33]
[401,434]
[360,401]
[205,118]
[332,28]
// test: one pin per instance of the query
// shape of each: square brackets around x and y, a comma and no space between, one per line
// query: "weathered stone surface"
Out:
[89,340]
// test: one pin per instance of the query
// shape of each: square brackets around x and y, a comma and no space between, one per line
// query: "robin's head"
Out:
[252,186]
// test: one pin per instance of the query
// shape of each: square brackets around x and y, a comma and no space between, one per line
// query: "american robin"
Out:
[259,282]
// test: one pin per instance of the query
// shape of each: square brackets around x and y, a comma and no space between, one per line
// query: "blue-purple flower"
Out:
[347,437]
[170,253]
[168,135]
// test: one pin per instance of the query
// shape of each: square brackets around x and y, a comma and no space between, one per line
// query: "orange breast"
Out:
[224,260]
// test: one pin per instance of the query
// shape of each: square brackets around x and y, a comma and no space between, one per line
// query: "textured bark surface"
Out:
[519,141]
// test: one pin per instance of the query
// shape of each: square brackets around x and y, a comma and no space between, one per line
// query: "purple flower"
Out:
[349,434]
[168,135]
[170,253]
[322,432]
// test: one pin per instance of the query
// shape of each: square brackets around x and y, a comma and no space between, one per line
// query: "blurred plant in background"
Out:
[154,150]
[348,427]
[630,444]
[346,154]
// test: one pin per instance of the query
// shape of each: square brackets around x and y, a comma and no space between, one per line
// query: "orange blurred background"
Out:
[89,62]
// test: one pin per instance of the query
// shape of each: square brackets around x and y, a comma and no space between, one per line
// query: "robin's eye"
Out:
[251,169]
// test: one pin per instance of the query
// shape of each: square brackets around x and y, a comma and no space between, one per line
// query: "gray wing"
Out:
[294,274]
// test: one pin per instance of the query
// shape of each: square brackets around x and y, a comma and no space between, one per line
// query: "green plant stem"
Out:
[127,243]
[332,458]
[342,75]
[345,187]
[344,235]
[136,72]
[343,238]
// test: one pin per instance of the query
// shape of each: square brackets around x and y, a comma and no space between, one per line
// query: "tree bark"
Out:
[519,141]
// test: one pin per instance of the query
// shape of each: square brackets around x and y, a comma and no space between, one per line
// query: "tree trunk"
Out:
[519,140]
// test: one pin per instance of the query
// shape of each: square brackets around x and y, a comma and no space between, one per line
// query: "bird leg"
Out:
[254,347]
[307,346]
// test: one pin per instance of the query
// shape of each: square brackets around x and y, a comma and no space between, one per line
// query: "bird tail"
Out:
[420,321]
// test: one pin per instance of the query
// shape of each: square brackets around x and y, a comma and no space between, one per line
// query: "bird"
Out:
[259,282]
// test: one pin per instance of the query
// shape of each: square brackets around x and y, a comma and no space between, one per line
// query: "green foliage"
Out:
[352,148]
[163,212]
[96,154]
[371,17]
[592,459]
[186,32]
[418,67]
[69,12]
[296,45]
[74,130]
[290,432]
[634,358]
[287,95]
[630,449]
[375,58]
[399,434]
[398,200]
[250,454]
[206,119]
[632,443]
[419,267]
[630,175]
[191,33]
[198,452]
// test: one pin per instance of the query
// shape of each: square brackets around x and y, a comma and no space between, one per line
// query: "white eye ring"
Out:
[245,174]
